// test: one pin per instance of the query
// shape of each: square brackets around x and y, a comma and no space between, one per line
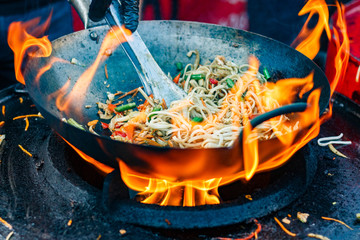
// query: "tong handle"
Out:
[98,8]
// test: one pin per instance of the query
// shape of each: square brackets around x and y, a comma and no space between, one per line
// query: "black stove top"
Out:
[43,196]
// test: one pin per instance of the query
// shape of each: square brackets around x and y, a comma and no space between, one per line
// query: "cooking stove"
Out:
[56,195]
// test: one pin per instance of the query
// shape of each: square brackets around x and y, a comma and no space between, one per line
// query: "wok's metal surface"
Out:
[168,41]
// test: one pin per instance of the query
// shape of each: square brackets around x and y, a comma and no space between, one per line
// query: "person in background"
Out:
[24,10]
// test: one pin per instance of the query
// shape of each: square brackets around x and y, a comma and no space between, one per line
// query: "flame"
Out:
[167,193]
[23,41]
[73,99]
[104,169]
[290,135]
[308,40]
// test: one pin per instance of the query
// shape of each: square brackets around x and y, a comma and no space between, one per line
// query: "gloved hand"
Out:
[129,12]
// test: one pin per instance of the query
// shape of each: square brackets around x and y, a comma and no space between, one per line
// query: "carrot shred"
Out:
[27,116]
[170,143]
[24,150]
[93,122]
[177,78]
[250,236]
[129,93]
[26,124]
[2,123]
[129,130]
[203,103]
[69,222]
[3,110]
[106,72]
[21,99]
[163,104]
[6,224]
[284,229]
[338,221]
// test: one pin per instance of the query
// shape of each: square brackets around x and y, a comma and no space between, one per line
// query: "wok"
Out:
[168,41]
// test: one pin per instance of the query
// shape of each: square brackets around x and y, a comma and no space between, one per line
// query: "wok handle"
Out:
[290,108]
[98,8]
[294,107]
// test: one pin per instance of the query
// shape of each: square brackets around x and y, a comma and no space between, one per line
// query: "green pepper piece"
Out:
[244,94]
[230,83]
[179,66]
[125,107]
[74,123]
[197,119]
[197,76]
[155,109]
[266,73]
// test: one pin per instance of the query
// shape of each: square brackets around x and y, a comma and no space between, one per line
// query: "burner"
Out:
[279,187]
[39,195]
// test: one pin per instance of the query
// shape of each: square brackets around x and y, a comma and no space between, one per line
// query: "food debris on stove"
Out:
[3,110]
[329,141]
[302,217]
[338,221]
[337,152]
[286,220]
[248,197]
[6,224]
[21,99]
[318,236]
[2,123]
[254,234]
[69,222]
[122,231]
[284,228]
[9,235]
[25,151]
[2,138]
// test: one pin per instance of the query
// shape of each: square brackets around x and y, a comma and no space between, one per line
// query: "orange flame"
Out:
[104,169]
[73,99]
[308,40]
[22,40]
[290,136]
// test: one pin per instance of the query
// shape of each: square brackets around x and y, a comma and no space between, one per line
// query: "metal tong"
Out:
[154,80]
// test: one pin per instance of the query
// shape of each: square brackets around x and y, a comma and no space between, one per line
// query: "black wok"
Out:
[168,41]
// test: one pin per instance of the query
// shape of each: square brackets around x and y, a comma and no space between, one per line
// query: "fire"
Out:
[73,98]
[23,41]
[104,169]
[290,136]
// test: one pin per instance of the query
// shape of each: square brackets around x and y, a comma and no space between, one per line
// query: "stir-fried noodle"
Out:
[222,98]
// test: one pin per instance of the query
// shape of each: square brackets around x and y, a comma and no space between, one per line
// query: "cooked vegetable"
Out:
[230,83]
[197,76]
[125,107]
[74,123]
[179,66]
[197,119]
[266,74]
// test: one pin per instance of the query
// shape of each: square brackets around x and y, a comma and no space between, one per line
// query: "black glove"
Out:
[130,14]
[129,11]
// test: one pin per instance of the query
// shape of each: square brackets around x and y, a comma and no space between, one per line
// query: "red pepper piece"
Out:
[104,125]
[176,79]
[119,133]
[213,81]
